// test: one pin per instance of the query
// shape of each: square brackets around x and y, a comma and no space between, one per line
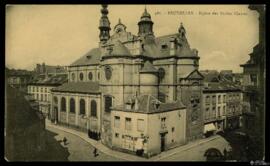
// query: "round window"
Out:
[90,76]
[81,76]
[73,76]
[108,72]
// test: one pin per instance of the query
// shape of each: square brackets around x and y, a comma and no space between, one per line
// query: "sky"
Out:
[60,34]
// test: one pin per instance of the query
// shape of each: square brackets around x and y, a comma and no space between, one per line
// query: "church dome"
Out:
[146,16]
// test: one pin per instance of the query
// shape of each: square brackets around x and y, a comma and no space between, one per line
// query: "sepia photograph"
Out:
[145,82]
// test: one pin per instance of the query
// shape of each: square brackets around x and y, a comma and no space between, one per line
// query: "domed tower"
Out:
[104,25]
[149,80]
[145,25]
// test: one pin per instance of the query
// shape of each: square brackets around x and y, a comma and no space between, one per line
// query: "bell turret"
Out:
[104,25]
[145,24]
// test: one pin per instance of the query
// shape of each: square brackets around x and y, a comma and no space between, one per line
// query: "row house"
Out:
[41,88]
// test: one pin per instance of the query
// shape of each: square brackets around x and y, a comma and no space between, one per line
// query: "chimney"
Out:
[38,68]
[43,68]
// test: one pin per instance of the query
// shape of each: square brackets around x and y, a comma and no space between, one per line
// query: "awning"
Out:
[209,127]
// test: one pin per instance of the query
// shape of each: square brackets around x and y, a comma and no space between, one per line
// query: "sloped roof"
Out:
[183,51]
[210,76]
[120,49]
[147,105]
[195,74]
[54,69]
[92,57]
[151,50]
[52,80]
[78,87]
[221,86]
[148,68]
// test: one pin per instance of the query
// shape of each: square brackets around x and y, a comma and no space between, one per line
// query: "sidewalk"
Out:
[130,157]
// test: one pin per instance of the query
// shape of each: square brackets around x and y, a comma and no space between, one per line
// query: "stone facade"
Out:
[126,65]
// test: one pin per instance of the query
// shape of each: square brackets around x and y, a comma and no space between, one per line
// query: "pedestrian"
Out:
[95,152]
[65,140]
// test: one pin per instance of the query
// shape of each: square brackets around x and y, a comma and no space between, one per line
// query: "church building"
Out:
[109,82]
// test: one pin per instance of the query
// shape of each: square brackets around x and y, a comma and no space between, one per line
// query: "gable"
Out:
[195,75]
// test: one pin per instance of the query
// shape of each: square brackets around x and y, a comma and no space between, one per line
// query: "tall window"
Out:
[90,76]
[207,112]
[140,125]
[55,100]
[128,124]
[82,107]
[73,76]
[93,108]
[72,105]
[63,104]
[207,100]
[116,121]
[219,99]
[253,78]
[108,103]
[81,76]
[213,112]
[213,99]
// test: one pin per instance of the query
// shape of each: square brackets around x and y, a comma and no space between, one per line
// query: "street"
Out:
[78,149]
[197,153]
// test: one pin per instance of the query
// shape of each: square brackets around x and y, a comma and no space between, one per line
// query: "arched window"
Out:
[81,76]
[63,104]
[82,107]
[90,76]
[93,108]
[72,105]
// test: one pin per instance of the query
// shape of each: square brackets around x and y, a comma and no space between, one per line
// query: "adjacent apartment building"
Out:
[222,103]
[40,89]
